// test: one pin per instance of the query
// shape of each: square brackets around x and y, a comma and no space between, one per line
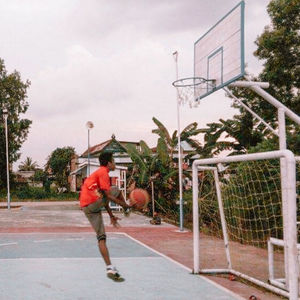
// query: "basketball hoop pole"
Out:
[175,55]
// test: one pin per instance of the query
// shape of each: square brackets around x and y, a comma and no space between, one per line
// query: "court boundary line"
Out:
[80,258]
[142,244]
[184,267]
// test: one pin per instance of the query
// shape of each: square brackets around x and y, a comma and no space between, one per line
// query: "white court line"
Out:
[78,258]
[137,241]
[186,268]
[8,244]
[42,241]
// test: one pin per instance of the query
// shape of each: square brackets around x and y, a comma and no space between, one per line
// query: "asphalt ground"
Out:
[68,266]
[48,250]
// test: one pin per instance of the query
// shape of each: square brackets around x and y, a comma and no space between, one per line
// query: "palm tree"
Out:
[28,165]
[171,142]
[160,166]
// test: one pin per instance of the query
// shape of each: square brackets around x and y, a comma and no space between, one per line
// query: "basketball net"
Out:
[189,90]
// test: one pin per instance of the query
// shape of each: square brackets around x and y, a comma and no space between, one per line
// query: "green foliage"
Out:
[42,176]
[13,94]
[58,165]
[160,167]
[26,192]
[28,165]
[252,201]
[278,46]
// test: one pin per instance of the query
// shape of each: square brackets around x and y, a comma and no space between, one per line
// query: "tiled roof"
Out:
[96,148]
[99,147]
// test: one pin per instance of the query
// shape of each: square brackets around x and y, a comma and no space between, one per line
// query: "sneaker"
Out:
[113,274]
[126,212]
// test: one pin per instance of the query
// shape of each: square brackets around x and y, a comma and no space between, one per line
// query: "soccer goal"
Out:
[245,201]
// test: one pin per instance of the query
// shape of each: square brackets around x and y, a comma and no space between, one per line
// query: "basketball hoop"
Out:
[190,89]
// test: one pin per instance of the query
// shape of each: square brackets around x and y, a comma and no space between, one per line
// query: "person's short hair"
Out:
[105,158]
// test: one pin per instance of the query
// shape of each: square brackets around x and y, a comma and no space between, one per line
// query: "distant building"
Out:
[27,177]
[88,162]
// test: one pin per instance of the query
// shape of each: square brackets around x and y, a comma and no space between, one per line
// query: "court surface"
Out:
[68,266]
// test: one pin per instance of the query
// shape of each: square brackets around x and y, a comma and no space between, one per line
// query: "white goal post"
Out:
[289,207]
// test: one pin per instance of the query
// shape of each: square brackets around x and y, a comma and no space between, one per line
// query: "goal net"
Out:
[251,195]
[248,194]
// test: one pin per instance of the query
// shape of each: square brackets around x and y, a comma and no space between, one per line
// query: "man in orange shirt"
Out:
[95,194]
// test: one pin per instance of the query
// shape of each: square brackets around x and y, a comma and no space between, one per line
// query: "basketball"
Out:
[139,198]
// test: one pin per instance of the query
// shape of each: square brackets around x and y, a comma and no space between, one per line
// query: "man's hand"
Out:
[114,221]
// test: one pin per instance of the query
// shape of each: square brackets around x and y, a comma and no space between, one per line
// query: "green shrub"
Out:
[31,193]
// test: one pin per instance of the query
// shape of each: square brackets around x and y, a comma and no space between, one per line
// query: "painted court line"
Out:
[161,255]
[184,267]
[42,241]
[8,244]
[78,258]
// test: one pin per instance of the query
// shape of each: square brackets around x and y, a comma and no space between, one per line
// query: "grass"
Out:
[37,194]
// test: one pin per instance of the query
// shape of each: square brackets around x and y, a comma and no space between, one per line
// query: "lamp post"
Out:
[5,115]
[175,55]
[89,125]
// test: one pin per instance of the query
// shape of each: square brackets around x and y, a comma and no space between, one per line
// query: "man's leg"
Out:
[119,197]
[94,215]
[104,252]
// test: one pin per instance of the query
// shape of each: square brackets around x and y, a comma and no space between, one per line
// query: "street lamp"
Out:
[89,125]
[5,115]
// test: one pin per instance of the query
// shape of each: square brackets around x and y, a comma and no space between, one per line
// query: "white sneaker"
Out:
[113,273]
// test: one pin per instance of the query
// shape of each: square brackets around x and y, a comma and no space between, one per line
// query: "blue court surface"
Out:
[68,266]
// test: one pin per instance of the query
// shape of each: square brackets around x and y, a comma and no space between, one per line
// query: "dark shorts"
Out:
[94,213]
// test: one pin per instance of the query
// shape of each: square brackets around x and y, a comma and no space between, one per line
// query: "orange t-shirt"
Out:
[99,180]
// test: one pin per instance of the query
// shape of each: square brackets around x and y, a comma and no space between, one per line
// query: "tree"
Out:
[171,141]
[279,47]
[160,167]
[58,165]
[13,94]
[28,165]
[43,177]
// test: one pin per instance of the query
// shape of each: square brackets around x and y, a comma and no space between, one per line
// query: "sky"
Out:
[111,62]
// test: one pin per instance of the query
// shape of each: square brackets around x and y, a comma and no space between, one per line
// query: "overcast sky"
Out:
[110,62]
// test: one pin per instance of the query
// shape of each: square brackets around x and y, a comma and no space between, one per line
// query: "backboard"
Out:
[219,53]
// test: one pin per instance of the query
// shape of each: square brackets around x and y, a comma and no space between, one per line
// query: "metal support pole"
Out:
[175,54]
[153,205]
[282,146]
[223,220]
[293,264]
[196,241]
[88,173]
[251,111]
[5,113]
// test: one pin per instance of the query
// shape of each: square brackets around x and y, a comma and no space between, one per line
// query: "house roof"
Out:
[110,145]
[85,164]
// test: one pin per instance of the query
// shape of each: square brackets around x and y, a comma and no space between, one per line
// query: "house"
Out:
[26,177]
[88,162]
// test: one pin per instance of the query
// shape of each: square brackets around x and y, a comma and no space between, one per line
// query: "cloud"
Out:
[110,62]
